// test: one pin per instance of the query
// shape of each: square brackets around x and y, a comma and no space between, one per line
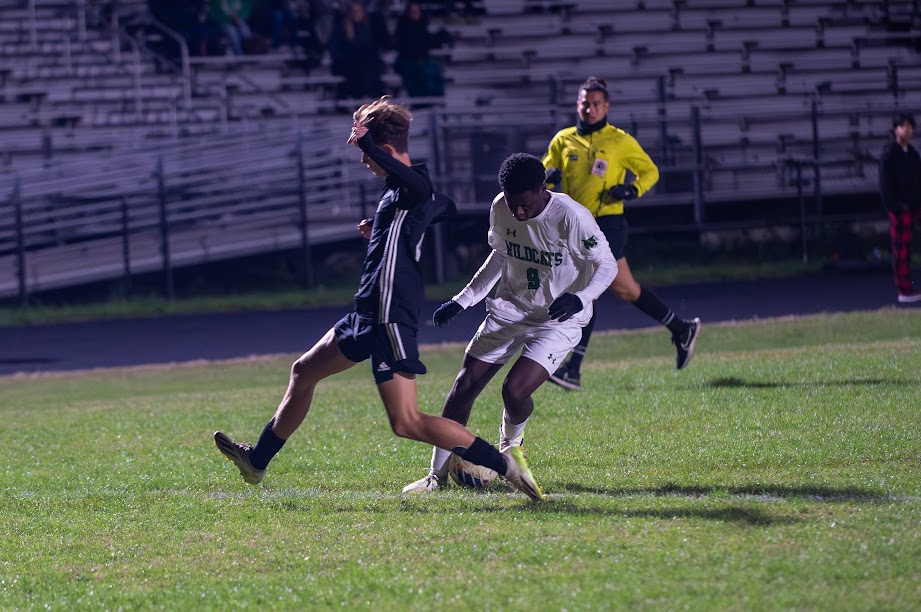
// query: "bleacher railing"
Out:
[152,208]
[152,211]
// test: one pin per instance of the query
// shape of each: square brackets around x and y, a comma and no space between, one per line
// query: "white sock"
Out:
[439,465]
[509,431]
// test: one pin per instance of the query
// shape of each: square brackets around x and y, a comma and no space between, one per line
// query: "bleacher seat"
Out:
[76,96]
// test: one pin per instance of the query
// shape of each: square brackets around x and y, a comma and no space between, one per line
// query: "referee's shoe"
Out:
[566,378]
[684,345]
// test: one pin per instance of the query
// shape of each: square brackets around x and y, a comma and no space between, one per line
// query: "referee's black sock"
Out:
[653,306]
[578,353]
[266,448]
[483,453]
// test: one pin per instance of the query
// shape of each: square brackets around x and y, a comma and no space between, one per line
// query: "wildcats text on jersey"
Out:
[532,255]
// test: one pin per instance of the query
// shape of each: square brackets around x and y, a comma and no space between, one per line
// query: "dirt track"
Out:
[130,342]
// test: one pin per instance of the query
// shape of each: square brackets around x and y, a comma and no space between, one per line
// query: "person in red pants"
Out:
[900,191]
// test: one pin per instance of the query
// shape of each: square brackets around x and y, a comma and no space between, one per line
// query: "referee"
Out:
[589,163]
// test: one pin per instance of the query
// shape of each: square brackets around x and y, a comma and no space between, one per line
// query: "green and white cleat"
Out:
[429,484]
[239,455]
[518,474]
[506,443]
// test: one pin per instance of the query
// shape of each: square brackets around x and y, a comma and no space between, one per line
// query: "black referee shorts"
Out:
[392,347]
[614,228]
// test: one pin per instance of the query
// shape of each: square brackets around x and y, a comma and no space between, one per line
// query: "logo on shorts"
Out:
[511,232]
[552,359]
[383,367]
[590,242]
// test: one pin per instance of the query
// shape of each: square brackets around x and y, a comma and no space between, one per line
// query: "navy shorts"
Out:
[392,347]
[614,228]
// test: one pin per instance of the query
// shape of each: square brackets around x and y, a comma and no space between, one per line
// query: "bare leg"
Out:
[626,288]
[324,359]
[518,387]
[624,285]
[472,378]
[400,400]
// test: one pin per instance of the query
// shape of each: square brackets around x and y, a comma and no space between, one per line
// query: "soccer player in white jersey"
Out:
[551,262]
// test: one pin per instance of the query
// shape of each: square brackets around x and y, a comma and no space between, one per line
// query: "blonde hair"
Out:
[387,121]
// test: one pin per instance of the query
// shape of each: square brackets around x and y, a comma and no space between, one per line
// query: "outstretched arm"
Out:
[482,281]
[417,188]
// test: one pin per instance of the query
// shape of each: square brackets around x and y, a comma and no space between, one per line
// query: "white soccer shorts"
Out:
[546,343]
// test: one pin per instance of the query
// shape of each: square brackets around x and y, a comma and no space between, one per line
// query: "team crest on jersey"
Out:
[590,242]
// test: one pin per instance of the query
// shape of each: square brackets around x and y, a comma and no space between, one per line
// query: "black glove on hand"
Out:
[564,307]
[623,193]
[445,313]
[554,176]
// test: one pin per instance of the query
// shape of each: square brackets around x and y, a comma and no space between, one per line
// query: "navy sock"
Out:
[653,306]
[483,453]
[575,357]
[266,448]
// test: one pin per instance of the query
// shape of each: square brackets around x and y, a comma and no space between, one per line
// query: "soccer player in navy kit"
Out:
[383,325]
[550,262]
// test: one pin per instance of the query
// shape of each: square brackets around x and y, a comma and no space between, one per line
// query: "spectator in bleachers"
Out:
[468,10]
[421,74]
[900,191]
[355,54]
[378,11]
[232,19]
[102,14]
[188,19]
[322,15]
[200,32]
[284,25]
[288,26]
[589,162]
[312,43]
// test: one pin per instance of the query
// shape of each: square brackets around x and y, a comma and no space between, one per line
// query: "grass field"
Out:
[781,470]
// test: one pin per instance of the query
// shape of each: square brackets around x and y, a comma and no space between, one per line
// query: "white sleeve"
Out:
[604,275]
[589,244]
[483,281]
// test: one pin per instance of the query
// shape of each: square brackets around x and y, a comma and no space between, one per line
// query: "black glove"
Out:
[565,306]
[554,176]
[445,313]
[623,193]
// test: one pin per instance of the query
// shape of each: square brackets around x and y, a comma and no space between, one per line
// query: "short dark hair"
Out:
[521,172]
[900,118]
[594,83]
[387,121]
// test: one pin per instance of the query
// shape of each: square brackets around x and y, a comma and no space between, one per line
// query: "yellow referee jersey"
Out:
[593,163]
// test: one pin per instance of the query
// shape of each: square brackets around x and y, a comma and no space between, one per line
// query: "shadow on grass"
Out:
[732,382]
[729,514]
[552,505]
[809,492]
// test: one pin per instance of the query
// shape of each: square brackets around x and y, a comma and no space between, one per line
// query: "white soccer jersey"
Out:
[561,250]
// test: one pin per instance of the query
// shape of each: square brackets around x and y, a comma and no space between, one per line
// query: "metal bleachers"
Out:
[91,119]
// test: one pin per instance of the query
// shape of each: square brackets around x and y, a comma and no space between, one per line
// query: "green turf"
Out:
[781,470]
